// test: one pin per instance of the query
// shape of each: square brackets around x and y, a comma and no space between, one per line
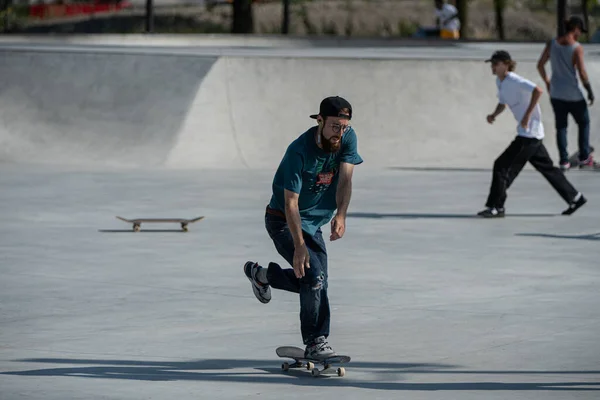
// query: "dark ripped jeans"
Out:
[314,304]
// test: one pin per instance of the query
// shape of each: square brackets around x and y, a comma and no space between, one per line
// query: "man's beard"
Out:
[328,146]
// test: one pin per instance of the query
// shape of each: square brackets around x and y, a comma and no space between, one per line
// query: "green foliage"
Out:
[310,28]
[407,28]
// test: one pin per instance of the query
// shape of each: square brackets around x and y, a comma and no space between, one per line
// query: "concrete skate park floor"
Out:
[429,301]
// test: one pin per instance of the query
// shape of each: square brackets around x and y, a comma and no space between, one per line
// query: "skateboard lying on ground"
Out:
[297,354]
[137,222]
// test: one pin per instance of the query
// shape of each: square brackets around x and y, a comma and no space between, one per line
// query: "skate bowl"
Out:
[170,104]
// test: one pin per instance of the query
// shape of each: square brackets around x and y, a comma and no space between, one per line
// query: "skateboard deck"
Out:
[574,159]
[297,354]
[138,221]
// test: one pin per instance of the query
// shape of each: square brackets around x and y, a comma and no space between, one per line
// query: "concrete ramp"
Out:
[183,108]
[94,109]
[407,112]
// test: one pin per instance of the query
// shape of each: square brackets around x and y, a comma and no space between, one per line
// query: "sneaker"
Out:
[492,212]
[262,291]
[319,349]
[575,205]
[588,163]
[565,165]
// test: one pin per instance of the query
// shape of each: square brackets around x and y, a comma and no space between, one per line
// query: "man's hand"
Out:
[301,261]
[525,121]
[338,227]
[499,109]
[590,93]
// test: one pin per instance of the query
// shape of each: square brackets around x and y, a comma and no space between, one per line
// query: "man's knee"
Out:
[583,115]
[500,165]
[314,279]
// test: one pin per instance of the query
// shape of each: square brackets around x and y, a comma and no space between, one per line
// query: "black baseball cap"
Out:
[500,55]
[576,22]
[332,107]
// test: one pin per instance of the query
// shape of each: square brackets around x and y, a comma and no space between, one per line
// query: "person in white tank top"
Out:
[522,96]
[565,54]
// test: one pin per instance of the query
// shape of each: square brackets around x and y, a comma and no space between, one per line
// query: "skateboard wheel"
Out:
[315,372]
[184,227]
[285,366]
[341,371]
[310,366]
[136,228]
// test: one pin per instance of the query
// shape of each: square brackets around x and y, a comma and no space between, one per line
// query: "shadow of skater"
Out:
[263,371]
[434,216]
[591,236]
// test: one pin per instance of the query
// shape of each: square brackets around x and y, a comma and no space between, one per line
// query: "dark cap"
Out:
[332,107]
[575,22]
[499,55]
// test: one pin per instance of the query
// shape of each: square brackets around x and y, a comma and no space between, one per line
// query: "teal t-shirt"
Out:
[308,170]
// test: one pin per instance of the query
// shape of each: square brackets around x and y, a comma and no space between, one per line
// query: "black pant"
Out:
[510,163]
[579,111]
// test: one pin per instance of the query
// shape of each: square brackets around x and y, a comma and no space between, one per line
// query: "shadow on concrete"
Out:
[527,170]
[141,231]
[442,169]
[591,236]
[436,216]
[264,371]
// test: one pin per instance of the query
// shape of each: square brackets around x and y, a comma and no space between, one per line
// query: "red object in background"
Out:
[68,10]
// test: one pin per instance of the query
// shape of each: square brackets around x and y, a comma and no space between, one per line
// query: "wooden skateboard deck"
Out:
[138,221]
[297,354]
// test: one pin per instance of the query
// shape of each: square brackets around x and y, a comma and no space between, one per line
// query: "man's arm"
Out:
[499,108]
[301,260]
[580,65]
[535,97]
[544,57]
[343,195]
[292,215]
[344,189]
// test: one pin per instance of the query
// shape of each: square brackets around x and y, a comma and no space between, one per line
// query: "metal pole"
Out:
[149,17]
[561,15]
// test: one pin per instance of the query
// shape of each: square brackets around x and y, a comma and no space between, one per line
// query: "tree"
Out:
[561,16]
[463,15]
[499,6]
[285,24]
[243,18]
[585,4]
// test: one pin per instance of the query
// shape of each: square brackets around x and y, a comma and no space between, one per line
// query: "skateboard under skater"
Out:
[138,222]
[297,354]
[574,159]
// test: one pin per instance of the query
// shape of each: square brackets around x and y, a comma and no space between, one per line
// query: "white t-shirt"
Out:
[446,12]
[515,91]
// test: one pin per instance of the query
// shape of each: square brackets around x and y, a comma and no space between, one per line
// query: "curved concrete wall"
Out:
[105,109]
[197,111]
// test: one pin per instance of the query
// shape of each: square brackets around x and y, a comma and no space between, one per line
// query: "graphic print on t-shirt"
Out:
[322,177]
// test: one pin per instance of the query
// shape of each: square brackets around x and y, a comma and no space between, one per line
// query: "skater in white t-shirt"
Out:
[522,96]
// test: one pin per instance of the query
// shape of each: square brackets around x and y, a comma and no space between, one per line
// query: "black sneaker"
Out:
[574,206]
[492,212]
